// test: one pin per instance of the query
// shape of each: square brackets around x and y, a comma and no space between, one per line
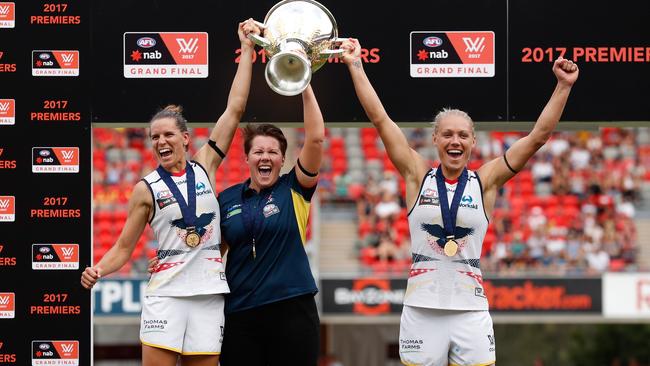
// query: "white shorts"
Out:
[190,325]
[434,337]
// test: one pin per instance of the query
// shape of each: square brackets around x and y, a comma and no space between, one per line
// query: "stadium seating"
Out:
[578,202]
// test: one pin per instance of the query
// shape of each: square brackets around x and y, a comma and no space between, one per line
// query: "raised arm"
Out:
[312,151]
[139,211]
[410,164]
[224,130]
[496,172]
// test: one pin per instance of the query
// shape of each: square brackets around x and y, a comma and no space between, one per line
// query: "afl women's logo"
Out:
[146,42]
[432,42]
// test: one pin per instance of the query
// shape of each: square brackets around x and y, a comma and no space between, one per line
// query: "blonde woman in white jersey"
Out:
[182,314]
[445,320]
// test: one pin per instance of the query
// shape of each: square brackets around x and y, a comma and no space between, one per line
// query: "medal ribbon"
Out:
[188,210]
[250,214]
[449,213]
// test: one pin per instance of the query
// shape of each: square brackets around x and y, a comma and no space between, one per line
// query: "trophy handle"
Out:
[329,53]
[259,40]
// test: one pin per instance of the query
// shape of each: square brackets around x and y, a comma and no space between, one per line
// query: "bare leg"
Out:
[152,356]
[208,360]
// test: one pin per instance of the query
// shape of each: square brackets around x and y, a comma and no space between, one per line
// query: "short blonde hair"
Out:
[446,112]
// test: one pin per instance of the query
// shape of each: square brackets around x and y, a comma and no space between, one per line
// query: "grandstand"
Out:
[579,211]
[580,206]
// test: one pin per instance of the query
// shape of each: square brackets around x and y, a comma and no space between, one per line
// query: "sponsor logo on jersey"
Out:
[202,189]
[468,202]
[165,198]
[233,210]
[411,344]
[270,210]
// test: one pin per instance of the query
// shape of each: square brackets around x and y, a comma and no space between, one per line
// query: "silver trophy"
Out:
[299,37]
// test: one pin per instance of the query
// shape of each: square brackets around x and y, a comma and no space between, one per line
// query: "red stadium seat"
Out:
[369,132]
[381,267]
[339,165]
[371,153]
[367,255]
[337,142]
[364,228]
[337,153]
[569,200]
[368,141]
[402,227]
[356,190]
[617,265]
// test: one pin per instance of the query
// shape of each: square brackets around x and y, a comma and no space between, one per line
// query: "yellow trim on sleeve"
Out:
[301,209]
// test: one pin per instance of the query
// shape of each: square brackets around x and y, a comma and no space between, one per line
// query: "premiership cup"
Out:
[299,37]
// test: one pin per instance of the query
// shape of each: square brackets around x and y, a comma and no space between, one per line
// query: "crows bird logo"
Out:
[439,232]
[200,224]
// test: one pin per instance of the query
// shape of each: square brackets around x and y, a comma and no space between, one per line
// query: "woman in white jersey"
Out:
[445,320]
[182,313]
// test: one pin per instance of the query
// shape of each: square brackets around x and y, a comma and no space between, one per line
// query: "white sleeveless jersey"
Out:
[182,270]
[436,280]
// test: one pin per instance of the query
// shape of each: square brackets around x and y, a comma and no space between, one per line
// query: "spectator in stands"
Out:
[536,218]
[183,310]
[264,222]
[543,168]
[366,205]
[387,249]
[389,183]
[536,243]
[446,283]
[598,259]
[388,208]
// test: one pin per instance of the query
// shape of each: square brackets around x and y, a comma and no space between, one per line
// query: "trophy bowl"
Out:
[299,38]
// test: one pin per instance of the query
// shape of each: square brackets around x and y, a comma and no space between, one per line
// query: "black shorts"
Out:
[283,333]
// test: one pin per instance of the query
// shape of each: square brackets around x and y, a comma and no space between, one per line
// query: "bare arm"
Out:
[496,173]
[223,248]
[312,151]
[139,211]
[410,164]
[224,130]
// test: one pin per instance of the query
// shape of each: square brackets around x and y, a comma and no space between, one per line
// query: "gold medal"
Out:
[451,247]
[192,238]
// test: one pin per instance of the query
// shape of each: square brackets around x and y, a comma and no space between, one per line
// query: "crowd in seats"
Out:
[571,210]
